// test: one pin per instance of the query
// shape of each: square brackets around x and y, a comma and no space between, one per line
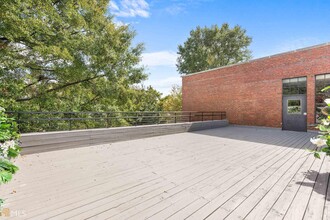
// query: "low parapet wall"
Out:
[48,141]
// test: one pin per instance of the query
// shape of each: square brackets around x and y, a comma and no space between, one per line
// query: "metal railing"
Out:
[60,121]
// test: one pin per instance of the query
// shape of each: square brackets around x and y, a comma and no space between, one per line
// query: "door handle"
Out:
[305,113]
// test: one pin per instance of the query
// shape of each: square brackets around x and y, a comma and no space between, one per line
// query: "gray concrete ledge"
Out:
[49,141]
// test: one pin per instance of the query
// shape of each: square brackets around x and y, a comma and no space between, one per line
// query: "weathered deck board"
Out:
[299,204]
[317,200]
[244,201]
[242,181]
[227,173]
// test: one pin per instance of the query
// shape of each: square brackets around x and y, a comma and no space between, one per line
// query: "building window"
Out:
[294,106]
[294,86]
[321,81]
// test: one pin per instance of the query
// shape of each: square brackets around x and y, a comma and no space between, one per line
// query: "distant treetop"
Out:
[212,47]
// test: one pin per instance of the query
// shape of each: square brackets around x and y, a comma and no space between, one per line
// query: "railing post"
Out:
[70,121]
[108,122]
[18,121]
[175,117]
[202,116]
[189,116]
[212,115]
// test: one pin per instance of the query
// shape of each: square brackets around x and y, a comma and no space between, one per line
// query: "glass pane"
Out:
[302,90]
[294,86]
[286,91]
[326,82]
[319,98]
[294,106]
[320,77]
[294,90]
[319,86]
[293,80]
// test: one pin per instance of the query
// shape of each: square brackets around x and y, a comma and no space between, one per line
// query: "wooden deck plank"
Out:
[316,203]
[62,209]
[274,182]
[236,183]
[124,160]
[217,198]
[195,205]
[299,204]
[184,200]
[280,194]
[326,210]
[123,167]
[154,204]
[212,173]
[70,194]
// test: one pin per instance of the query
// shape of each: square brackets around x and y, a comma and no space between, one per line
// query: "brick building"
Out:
[282,90]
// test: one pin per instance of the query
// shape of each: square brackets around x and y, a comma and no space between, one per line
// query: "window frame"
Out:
[299,77]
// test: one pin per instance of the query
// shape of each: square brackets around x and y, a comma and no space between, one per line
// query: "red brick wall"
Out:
[251,93]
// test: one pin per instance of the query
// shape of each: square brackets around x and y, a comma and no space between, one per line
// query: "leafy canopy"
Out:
[173,101]
[65,55]
[208,48]
[143,99]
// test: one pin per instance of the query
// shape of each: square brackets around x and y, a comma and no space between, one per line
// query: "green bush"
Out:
[322,141]
[9,148]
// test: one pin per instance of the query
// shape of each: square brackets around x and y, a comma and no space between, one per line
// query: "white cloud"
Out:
[164,85]
[129,8]
[166,82]
[113,6]
[180,6]
[160,58]
[175,9]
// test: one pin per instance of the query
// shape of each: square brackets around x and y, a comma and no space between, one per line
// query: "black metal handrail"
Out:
[59,121]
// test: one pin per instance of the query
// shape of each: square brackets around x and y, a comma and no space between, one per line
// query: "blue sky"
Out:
[275,26]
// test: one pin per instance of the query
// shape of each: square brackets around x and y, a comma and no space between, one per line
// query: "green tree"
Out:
[65,55]
[213,47]
[173,101]
[143,99]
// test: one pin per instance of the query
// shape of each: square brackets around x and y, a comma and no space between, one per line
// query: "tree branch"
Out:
[59,88]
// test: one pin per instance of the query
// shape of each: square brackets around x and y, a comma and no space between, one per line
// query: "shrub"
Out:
[9,148]
[322,141]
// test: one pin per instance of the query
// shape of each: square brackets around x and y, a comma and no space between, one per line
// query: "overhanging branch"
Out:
[59,88]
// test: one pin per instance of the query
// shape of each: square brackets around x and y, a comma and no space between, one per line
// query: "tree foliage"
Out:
[173,101]
[65,55]
[9,148]
[144,99]
[322,141]
[208,48]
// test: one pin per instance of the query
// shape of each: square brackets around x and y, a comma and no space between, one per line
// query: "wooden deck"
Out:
[227,173]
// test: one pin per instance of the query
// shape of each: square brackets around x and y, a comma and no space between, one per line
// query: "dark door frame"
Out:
[296,94]
[300,118]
